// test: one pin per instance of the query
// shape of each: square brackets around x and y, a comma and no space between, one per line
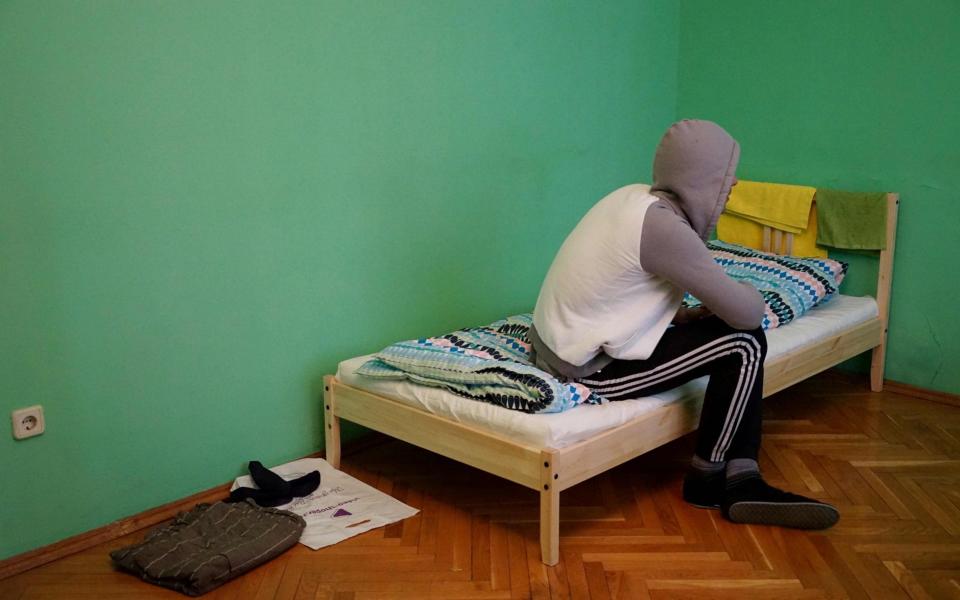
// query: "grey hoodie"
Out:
[693,170]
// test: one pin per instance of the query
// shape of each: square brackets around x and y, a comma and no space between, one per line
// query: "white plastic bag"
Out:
[340,508]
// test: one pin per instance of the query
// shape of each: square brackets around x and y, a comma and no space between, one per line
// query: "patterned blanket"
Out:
[790,286]
[491,364]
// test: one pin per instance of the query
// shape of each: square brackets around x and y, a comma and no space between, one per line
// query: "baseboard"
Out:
[80,542]
[905,389]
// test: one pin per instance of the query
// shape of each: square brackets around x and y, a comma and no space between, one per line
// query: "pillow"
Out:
[790,286]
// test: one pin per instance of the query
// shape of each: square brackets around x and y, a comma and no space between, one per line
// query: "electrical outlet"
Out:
[27,422]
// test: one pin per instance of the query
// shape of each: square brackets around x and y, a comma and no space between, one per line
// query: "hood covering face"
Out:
[694,170]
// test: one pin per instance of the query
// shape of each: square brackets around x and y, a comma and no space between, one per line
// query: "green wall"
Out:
[859,95]
[204,206]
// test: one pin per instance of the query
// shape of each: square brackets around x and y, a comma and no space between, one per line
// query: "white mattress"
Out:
[557,430]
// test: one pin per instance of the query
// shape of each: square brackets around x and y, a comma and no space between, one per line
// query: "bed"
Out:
[552,452]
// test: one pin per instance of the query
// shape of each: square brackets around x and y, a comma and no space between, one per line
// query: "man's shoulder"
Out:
[667,233]
[662,217]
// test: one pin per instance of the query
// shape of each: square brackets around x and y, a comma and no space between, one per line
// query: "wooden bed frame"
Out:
[550,470]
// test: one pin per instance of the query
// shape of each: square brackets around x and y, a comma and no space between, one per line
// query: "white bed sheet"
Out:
[557,430]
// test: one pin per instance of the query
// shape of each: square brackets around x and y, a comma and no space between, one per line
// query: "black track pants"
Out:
[730,421]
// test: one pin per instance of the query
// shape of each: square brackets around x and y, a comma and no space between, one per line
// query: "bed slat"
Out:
[606,450]
[808,361]
[494,454]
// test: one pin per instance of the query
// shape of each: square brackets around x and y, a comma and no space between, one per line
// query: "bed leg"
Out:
[876,367]
[884,286]
[332,422]
[549,512]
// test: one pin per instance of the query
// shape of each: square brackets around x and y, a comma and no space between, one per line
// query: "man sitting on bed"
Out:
[609,316]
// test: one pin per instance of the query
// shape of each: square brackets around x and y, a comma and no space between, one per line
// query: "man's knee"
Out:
[760,336]
[758,341]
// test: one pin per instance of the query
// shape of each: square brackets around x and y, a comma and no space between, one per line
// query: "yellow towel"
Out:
[737,230]
[786,207]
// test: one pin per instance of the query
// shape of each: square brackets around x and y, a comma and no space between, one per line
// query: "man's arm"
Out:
[671,249]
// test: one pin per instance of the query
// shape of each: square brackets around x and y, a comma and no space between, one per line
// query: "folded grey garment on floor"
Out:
[211,544]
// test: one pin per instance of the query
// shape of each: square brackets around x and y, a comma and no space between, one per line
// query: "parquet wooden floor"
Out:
[891,463]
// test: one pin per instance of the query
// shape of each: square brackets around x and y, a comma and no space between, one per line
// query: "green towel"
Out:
[852,220]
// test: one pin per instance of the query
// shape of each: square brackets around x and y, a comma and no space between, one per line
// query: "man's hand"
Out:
[687,314]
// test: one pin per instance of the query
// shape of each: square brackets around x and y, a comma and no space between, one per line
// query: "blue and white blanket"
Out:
[491,364]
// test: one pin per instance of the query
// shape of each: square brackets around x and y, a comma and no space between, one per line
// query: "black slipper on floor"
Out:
[751,500]
[274,490]
[269,481]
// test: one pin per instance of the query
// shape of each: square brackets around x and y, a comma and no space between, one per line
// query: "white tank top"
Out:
[596,296]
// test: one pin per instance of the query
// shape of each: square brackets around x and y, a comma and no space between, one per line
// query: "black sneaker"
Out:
[751,500]
[704,490]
